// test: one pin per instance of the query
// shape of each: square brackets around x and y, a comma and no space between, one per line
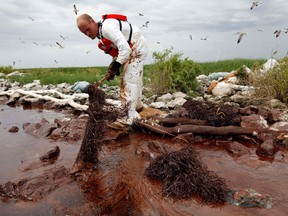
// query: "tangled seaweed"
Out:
[185,176]
[96,126]
[215,115]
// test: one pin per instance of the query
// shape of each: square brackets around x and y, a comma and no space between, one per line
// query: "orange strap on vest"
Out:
[114,16]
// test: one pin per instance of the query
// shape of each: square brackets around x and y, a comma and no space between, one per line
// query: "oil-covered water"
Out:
[118,186]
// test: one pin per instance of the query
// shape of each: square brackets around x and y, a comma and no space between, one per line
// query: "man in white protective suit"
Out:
[127,46]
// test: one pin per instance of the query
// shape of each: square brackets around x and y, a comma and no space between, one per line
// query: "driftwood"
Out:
[198,129]
[58,98]
[175,121]
[64,99]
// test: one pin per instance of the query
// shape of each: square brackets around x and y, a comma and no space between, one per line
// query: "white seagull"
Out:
[255,4]
[146,24]
[278,32]
[75,9]
[31,18]
[60,46]
[63,37]
[241,34]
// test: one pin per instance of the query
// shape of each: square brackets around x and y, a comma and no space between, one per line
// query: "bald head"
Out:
[84,17]
[87,26]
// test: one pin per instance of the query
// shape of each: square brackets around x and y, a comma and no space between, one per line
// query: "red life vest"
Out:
[106,45]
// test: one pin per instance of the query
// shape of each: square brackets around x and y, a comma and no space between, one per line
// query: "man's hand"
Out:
[80,85]
[113,69]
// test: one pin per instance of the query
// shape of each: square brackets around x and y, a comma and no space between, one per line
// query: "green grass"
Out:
[91,74]
[229,65]
[94,74]
[61,75]
[169,73]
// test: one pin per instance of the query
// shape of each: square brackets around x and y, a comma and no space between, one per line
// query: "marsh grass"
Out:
[61,75]
[273,83]
[167,65]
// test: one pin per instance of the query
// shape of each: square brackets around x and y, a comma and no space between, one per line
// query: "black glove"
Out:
[113,69]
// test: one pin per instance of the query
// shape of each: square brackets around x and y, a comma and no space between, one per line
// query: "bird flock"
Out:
[56,44]
[276,32]
[240,34]
[75,10]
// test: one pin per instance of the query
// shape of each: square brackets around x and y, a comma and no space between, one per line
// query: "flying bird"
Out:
[35,43]
[260,30]
[255,4]
[146,24]
[60,46]
[190,36]
[56,61]
[278,32]
[206,38]
[140,14]
[88,51]
[63,37]
[241,34]
[31,18]
[75,9]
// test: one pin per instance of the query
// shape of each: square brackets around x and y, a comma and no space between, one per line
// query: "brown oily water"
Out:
[131,173]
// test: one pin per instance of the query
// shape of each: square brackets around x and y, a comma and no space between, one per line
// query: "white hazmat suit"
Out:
[131,59]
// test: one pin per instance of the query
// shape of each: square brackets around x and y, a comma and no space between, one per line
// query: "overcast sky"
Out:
[31,28]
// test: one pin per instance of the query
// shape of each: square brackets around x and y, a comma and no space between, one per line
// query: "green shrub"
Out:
[170,73]
[6,69]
